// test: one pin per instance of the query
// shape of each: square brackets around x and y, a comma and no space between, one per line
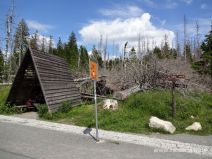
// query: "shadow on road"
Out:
[87,131]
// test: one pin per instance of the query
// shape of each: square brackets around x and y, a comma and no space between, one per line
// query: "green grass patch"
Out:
[134,113]
[4,108]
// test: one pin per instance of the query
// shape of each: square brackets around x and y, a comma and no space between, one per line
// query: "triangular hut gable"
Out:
[46,78]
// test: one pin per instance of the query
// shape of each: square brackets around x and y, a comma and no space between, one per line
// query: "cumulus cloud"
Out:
[124,11]
[38,26]
[122,30]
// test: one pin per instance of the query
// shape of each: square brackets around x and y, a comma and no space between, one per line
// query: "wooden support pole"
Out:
[173,100]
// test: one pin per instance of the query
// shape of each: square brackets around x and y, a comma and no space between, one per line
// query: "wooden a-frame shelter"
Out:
[44,78]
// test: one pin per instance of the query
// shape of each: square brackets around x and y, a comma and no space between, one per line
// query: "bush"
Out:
[65,107]
[43,111]
[8,109]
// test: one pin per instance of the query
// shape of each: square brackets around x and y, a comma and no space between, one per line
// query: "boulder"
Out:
[196,126]
[110,104]
[157,123]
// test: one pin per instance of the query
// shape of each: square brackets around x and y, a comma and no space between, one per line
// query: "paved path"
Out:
[28,138]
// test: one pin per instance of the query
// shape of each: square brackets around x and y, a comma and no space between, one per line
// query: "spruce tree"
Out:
[1,66]
[97,57]
[187,51]
[60,49]
[72,54]
[157,52]
[34,41]
[132,54]
[166,51]
[50,45]
[43,47]
[204,65]
[20,43]
[84,58]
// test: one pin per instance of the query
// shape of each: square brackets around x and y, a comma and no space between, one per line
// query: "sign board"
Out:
[93,70]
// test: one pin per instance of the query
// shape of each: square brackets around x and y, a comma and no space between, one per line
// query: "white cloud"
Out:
[122,30]
[167,4]
[124,11]
[170,4]
[38,26]
[188,1]
[150,3]
[44,38]
[203,6]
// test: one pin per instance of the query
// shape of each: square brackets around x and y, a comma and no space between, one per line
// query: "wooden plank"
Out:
[59,86]
[56,76]
[63,98]
[50,64]
[62,94]
[47,56]
[53,70]
[56,73]
[61,90]
[73,102]
[46,79]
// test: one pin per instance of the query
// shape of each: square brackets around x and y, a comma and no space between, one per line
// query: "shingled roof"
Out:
[46,78]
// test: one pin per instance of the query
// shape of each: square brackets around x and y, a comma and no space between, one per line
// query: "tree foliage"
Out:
[1,66]
[20,44]
[84,58]
[71,51]
[97,57]
[204,65]
[34,41]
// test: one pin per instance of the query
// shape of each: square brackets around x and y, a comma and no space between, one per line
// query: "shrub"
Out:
[42,110]
[8,109]
[65,107]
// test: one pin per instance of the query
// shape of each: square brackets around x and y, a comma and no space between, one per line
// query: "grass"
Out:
[134,113]
[6,109]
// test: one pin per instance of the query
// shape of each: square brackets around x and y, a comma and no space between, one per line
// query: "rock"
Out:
[157,123]
[110,104]
[192,117]
[196,126]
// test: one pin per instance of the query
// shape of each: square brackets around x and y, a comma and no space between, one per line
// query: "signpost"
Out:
[94,75]
[174,79]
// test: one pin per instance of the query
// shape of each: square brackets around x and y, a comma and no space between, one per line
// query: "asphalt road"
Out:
[24,142]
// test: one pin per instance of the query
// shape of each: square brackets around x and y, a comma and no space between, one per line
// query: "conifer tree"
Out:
[43,48]
[132,54]
[50,45]
[157,52]
[204,65]
[60,49]
[96,56]
[34,41]
[1,66]
[20,42]
[72,53]
[84,58]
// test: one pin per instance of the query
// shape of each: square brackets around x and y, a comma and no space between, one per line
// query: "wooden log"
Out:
[121,95]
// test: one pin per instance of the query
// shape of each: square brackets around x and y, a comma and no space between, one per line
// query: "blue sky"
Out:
[118,20]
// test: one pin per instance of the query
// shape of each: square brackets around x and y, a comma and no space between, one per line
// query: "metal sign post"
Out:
[93,76]
[96,111]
